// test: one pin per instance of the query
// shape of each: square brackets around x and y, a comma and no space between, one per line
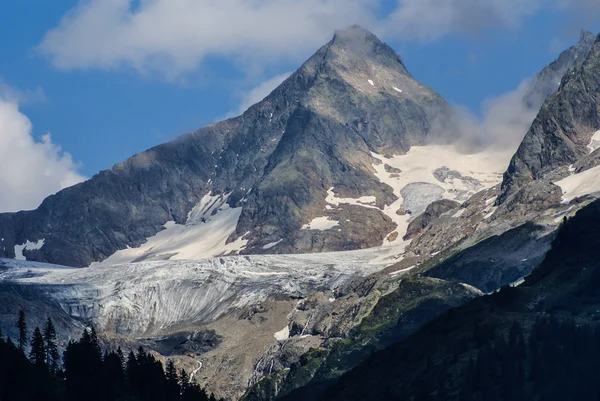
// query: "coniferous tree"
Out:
[22,327]
[52,356]
[184,381]
[37,354]
[173,388]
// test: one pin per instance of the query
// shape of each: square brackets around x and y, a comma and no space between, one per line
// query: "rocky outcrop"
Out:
[547,81]
[433,211]
[562,131]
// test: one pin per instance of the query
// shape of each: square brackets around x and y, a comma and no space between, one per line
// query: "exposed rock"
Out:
[547,81]
[433,211]
[561,133]
[392,170]
[401,212]
[393,236]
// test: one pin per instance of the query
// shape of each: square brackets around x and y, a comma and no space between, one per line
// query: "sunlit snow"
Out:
[594,142]
[577,185]
[204,235]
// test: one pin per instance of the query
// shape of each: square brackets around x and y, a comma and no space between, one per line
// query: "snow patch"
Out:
[397,272]
[321,223]
[29,246]
[371,82]
[594,142]
[365,201]
[471,173]
[581,184]
[283,334]
[397,90]
[204,235]
[272,244]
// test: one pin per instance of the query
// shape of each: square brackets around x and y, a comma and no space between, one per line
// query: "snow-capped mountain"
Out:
[274,165]
[337,207]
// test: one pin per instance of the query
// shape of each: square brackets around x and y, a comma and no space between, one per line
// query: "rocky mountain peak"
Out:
[357,49]
[548,80]
[586,37]
[562,132]
[261,178]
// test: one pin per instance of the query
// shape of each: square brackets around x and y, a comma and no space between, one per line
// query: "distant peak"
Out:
[354,34]
[364,44]
[586,37]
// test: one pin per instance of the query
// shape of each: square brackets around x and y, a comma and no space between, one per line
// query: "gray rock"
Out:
[547,81]
[561,132]
[314,132]
[433,211]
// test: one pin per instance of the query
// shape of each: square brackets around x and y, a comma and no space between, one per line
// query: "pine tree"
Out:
[173,389]
[22,327]
[184,381]
[52,356]
[95,342]
[37,354]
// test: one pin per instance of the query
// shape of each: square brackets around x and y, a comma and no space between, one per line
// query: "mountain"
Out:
[547,81]
[484,243]
[473,351]
[271,254]
[563,133]
[271,168]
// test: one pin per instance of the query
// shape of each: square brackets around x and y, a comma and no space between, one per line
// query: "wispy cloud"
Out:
[175,36]
[502,123]
[30,170]
[22,96]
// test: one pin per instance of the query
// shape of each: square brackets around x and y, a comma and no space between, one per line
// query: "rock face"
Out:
[276,161]
[547,81]
[562,132]
[433,211]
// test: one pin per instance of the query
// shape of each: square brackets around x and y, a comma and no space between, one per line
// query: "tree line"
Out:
[32,369]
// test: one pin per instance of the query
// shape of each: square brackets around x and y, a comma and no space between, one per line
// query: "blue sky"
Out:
[108,91]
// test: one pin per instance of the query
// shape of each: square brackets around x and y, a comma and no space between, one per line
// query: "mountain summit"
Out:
[256,183]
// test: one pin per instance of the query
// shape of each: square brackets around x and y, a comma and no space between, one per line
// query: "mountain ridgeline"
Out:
[277,161]
[561,133]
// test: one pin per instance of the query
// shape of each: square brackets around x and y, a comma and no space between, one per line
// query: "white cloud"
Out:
[29,170]
[503,122]
[257,94]
[27,96]
[432,19]
[173,36]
